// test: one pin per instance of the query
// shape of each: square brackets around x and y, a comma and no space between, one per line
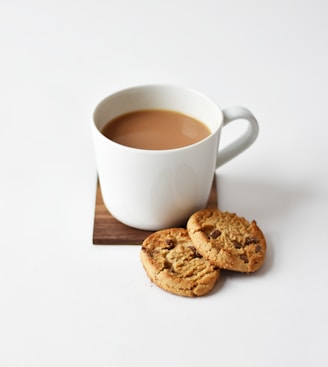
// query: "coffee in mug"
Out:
[155,130]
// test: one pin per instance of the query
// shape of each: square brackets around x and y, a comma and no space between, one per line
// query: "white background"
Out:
[66,302]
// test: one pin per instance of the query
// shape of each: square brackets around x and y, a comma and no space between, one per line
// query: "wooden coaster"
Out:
[109,231]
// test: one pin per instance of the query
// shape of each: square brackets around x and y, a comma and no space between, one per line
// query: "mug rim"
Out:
[105,100]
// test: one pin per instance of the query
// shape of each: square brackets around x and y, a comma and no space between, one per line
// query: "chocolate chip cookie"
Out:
[227,240]
[172,262]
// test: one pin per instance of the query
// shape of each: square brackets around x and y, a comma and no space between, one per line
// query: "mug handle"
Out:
[245,140]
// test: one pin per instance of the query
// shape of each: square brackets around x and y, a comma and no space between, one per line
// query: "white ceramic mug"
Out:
[156,189]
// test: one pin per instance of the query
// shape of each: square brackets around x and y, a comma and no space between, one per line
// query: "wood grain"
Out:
[109,231]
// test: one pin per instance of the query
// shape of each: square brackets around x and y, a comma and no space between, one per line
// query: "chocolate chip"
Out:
[237,245]
[258,248]
[170,244]
[196,254]
[215,234]
[168,266]
[244,258]
[251,240]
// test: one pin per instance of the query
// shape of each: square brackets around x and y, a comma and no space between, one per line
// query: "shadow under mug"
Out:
[157,189]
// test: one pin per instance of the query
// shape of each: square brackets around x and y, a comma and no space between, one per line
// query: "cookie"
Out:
[173,264]
[227,240]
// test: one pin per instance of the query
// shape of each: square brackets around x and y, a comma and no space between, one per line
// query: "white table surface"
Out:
[66,302]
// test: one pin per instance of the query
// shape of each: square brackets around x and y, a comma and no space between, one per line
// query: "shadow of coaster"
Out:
[109,231]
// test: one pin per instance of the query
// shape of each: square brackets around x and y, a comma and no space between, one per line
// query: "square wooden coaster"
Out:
[109,231]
